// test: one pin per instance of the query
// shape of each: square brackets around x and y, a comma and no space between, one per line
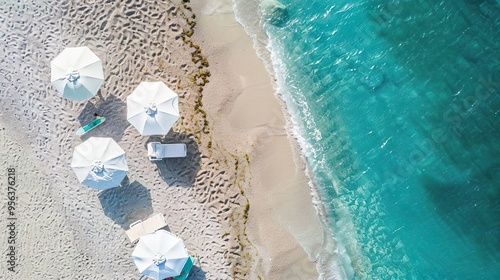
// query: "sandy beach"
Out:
[240,200]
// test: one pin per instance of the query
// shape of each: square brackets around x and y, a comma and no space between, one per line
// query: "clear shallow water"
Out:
[397,107]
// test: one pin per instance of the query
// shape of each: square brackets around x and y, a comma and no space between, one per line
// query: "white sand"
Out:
[249,120]
[68,231]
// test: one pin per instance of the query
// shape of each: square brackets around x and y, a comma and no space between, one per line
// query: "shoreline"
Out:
[240,200]
[290,214]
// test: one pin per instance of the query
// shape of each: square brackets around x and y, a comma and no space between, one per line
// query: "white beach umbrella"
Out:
[152,108]
[160,255]
[99,163]
[77,73]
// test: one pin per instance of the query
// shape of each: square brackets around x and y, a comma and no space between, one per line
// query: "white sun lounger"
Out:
[140,228]
[158,151]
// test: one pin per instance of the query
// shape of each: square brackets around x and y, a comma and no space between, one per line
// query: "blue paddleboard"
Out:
[84,129]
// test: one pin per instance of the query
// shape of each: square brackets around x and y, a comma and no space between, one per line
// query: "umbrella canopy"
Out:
[99,163]
[152,108]
[77,73]
[160,255]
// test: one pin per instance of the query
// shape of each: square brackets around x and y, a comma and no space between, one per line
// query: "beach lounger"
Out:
[158,151]
[140,228]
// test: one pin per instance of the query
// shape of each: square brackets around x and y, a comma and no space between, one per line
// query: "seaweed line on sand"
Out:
[242,252]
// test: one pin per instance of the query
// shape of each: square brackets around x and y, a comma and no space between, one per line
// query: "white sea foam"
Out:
[356,78]
[328,259]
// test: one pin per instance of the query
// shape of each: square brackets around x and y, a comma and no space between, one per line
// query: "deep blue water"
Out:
[397,106]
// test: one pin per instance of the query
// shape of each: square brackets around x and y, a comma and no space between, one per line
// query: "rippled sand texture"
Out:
[68,231]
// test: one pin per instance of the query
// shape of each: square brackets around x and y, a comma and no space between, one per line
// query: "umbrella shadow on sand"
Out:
[196,273]
[127,203]
[178,171]
[115,112]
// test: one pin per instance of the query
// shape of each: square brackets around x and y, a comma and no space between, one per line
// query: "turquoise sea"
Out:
[396,105]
